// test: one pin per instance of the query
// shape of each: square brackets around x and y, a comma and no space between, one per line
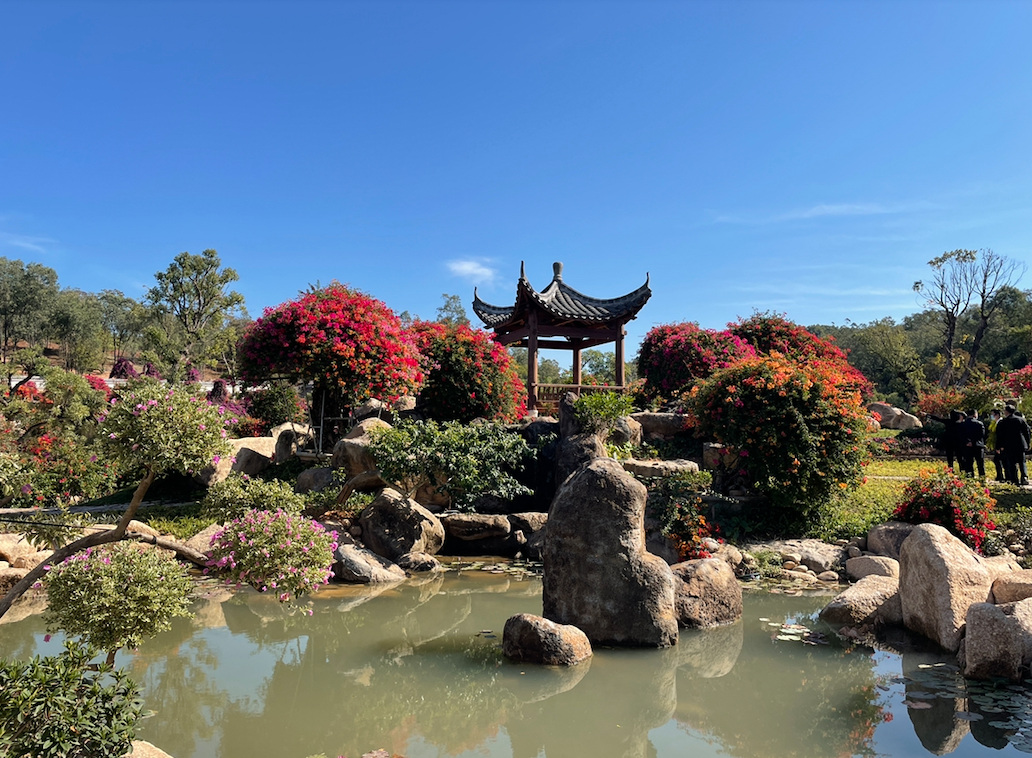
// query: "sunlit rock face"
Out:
[598,575]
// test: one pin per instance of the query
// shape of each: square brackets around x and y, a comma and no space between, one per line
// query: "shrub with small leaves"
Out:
[964,506]
[599,411]
[62,706]
[274,551]
[238,493]
[115,596]
[677,503]
[463,461]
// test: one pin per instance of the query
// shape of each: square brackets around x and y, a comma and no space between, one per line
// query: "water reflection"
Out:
[416,668]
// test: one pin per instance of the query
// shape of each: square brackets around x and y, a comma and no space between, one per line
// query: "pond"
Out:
[417,669]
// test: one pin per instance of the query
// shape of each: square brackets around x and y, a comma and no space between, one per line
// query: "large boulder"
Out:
[475,526]
[13,545]
[660,426]
[939,578]
[249,455]
[351,453]
[873,601]
[659,468]
[998,640]
[626,431]
[393,525]
[314,479]
[1013,586]
[894,418]
[886,539]
[532,639]
[871,565]
[574,451]
[597,573]
[707,593]
[357,565]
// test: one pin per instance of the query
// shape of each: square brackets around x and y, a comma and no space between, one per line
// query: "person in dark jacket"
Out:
[971,445]
[1012,437]
[951,437]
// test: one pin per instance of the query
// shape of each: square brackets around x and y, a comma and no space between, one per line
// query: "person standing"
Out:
[990,442]
[951,436]
[1012,438]
[971,445]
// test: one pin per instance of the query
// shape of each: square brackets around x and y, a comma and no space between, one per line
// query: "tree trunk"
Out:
[90,540]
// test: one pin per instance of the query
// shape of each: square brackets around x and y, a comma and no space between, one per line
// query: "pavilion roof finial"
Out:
[557,271]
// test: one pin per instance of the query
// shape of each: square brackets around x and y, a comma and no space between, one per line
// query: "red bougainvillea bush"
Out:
[796,427]
[964,506]
[337,337]
[469,375]
[673,357]
[1019,382]
[771,332]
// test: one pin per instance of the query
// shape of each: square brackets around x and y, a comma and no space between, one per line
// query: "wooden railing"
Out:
[549,395]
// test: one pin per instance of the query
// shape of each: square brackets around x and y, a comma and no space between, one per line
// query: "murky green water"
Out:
[416,669]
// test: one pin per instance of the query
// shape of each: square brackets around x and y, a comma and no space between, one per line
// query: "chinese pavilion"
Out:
[559,317]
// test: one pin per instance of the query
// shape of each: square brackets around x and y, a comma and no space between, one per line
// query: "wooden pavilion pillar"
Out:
[532,362]
[620,334]
[576,363]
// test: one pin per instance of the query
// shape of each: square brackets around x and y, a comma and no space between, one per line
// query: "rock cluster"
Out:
[977,607]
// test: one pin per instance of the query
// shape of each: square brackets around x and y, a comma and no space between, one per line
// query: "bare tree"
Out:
[950,291]
[992,272]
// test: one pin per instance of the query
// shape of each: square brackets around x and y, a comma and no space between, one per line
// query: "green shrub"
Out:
[274,403]
[114,596]
[462,461]
[962,505]
[238,493]
[599,411]
[675,501]
[62,707]
[274,550]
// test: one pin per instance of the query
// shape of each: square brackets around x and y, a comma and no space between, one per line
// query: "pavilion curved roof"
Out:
[563,303]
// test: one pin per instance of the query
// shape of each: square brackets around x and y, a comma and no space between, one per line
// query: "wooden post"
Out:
[620,333]
[532,363]
[576,364]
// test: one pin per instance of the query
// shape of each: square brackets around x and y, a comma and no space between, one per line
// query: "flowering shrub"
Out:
[469,375]
[124,369]
[163,428]
[238,493]
[773,333]
[980,395]
[964,506]
[274,551]
[796,427]
[673,357]
[337,337]
[98,384]
[116,595]
[676,503]
[1019,382]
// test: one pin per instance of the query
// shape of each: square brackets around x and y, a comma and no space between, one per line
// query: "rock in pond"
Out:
[707,593]
[393,525]
[532,639]
[597,573]
[360,566]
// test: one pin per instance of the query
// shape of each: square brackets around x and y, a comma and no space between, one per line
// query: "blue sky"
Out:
[806,158]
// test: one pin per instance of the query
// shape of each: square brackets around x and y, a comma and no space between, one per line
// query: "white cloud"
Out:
[25,242]
[473,271]
[826,210]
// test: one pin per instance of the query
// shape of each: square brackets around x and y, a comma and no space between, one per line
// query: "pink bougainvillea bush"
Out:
[963,506]
[673,357]
[337,337]
[1019,382]
[469,375]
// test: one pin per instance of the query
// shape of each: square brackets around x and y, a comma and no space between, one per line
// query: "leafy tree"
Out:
[991,273]
[452,312]
[949,293]
[469,375]
[76,324]
[123,318]
[27,294]
[191,305]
